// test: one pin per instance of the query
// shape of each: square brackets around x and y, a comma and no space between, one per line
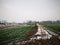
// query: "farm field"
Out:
[54,27]
[28,35]
[14,34]
[40,37]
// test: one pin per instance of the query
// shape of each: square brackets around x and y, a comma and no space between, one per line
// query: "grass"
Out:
[14,34]
[55,27]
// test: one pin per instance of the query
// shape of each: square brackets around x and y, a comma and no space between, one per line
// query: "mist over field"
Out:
[24,10]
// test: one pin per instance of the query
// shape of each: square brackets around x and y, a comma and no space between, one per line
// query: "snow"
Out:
[39,32]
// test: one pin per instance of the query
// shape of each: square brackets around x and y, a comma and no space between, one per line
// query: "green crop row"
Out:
[14,34]
[55,27]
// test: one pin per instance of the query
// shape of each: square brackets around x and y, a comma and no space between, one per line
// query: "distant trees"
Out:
[2,22]
[51,22]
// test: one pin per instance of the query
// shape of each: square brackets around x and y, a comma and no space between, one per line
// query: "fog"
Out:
[24,10]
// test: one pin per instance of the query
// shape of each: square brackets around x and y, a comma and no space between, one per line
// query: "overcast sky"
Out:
[35,10]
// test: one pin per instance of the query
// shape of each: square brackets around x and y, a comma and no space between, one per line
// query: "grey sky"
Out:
[23,10]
